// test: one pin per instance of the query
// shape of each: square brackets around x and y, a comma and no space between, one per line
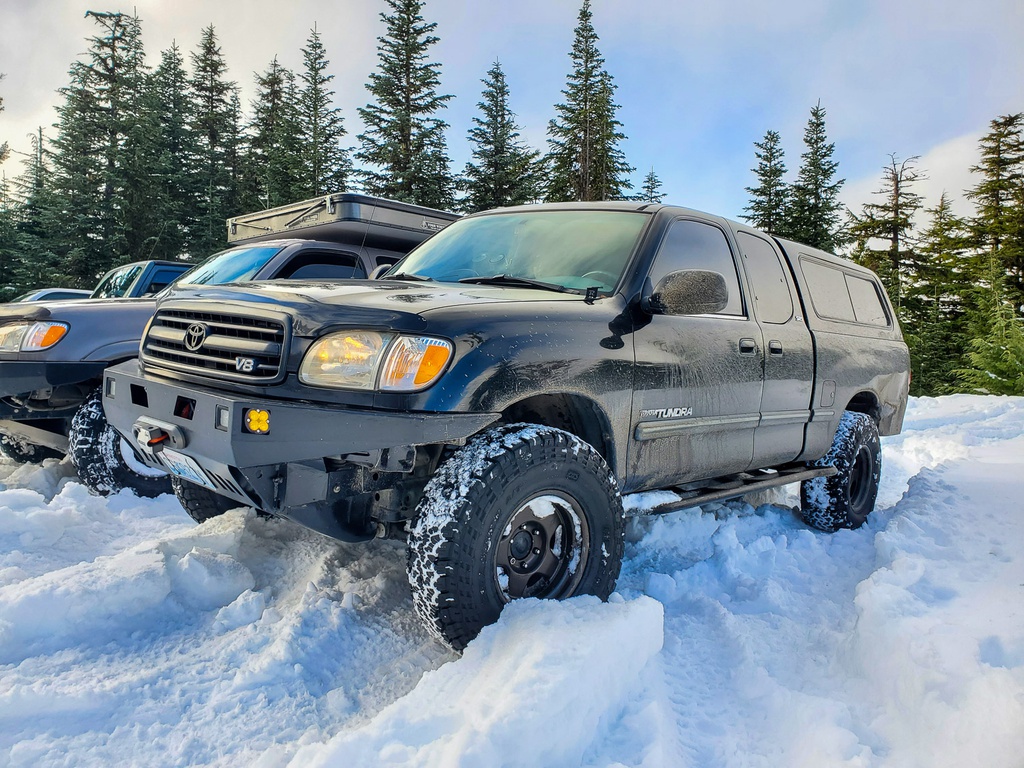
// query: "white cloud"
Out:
[944,168]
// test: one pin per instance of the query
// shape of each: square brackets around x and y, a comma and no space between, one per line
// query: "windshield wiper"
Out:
[409,276]
[523,282]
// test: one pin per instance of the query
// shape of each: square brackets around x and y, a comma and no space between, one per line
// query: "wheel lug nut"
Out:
[512,561]
[536,551]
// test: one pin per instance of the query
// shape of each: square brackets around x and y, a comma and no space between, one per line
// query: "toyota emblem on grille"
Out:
[195,335]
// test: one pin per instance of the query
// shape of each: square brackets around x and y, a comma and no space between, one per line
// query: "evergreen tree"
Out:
[325,163]
[999,197]
[35,263]
[505,171]
[234,155]
[118,72]
[5,150]
[74,184]
[997,358]
[274,166]
[815,209]
[585,159]
[96,222]
[8,252]
[403,141]
[770,198]
[890,222]
[997,354]
[172,159]
[651,192]
[213,119]
[934,315]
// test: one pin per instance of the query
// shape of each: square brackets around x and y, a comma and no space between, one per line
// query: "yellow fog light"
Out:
[257,421]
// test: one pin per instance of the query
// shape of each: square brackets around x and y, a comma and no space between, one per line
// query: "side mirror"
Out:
[688,292]
[379,270]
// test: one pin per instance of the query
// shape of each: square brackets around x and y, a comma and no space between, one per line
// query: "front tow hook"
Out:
[155,435]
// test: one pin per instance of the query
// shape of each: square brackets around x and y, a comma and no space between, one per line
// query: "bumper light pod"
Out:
[257,421]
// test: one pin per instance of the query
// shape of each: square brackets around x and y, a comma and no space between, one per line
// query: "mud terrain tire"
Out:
[845,499]
[520,511]
[26,453]
[201,503]
[105,461]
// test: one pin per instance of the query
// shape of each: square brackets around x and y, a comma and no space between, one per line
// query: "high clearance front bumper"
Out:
[288,471]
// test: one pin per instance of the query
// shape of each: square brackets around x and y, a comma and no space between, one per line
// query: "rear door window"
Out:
[773,301]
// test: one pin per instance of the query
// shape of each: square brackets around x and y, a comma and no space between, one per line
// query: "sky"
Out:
[697,83]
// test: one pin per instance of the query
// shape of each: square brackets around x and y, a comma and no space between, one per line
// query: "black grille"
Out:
[219,345]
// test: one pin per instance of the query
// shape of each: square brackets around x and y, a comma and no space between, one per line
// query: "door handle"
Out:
[748,346]
[775,347]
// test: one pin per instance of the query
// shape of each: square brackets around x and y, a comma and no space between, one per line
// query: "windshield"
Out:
[573,249]
[229,266]
[116,283]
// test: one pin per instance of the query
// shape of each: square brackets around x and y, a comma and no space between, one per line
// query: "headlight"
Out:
[10,337]
[347,360]
[371,360]
[31,337]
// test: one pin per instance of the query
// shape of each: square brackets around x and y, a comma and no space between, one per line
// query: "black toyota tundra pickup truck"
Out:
[496,391]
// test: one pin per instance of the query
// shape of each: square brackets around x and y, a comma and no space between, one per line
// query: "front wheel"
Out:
[26,453]
[520,511]
[105,461]
[845,499]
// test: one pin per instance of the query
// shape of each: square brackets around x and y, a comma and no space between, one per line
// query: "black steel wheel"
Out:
[26,453]
[845,499]
[105,461]
[520,511]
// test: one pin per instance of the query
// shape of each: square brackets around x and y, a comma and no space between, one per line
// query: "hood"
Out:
[70,308]
[379,303]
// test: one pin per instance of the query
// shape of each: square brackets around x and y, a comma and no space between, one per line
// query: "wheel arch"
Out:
[866,402]
[576,414]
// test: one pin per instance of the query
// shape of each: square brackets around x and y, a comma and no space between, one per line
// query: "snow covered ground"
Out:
[738,637]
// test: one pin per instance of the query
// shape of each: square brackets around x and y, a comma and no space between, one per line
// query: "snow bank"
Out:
[95,601]
[128,635]
[530,690]
[940,631]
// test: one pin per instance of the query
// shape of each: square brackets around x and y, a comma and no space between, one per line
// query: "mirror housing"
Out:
[688,292]
[379,270]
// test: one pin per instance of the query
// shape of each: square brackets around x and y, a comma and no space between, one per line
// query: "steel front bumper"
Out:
[276,471]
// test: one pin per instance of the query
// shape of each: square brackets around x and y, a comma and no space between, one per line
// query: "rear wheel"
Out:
[202,504]
[26,453]
[105,461]
[845,499]
[520,511]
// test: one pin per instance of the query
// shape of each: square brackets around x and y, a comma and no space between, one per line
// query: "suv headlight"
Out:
[31,337]
[372,360]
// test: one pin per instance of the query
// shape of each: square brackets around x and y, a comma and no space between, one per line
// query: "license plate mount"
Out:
[185,467]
